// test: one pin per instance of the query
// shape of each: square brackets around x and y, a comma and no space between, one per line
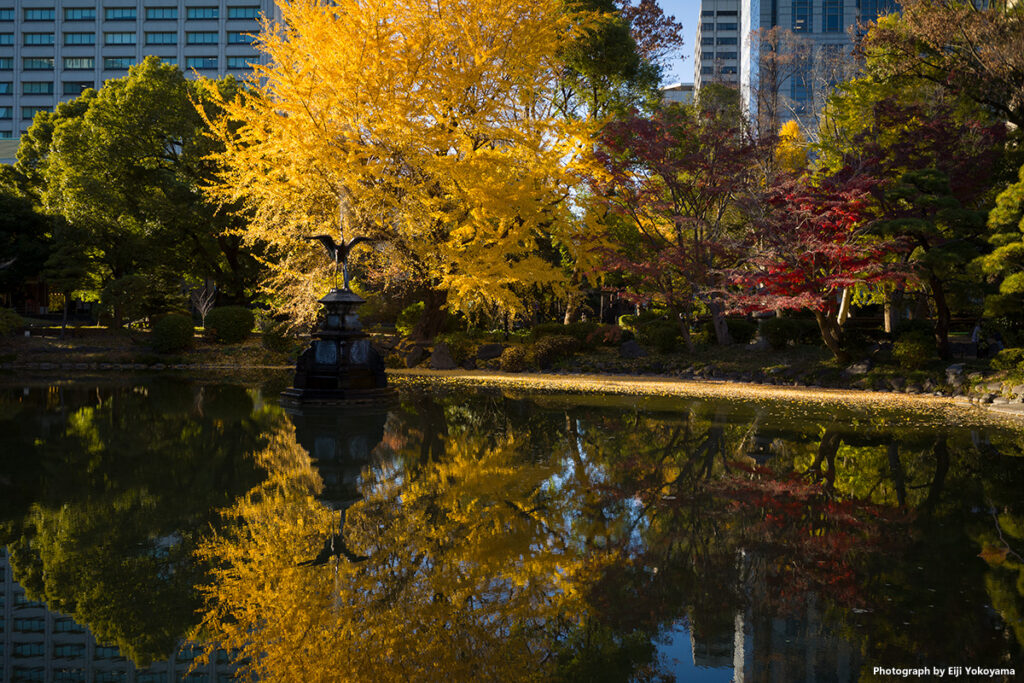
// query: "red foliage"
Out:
[810,244]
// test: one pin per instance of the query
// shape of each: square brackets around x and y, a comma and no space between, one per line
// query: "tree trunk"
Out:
[942,317]
[573,306]
[722,335]
[844,307]
[832,336]
[434,317]
[893,309]
[64,321]
[899,479]
[684,327]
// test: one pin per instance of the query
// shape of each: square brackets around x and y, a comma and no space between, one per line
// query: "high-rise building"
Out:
[716,57]
[784,55]
[51,50]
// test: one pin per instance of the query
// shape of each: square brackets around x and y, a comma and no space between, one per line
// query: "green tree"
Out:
[124,167]
[1005,264]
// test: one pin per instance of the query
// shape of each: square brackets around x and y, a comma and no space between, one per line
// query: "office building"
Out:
[791,72]
[716,57]
[51,50]
[678,93]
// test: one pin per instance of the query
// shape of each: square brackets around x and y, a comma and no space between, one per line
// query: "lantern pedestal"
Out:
[339,367]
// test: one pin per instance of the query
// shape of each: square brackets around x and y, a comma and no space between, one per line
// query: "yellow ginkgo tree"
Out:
[426,126]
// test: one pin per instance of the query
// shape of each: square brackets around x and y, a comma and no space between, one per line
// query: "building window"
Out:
[37,64]
[6,39]
[124,38]
[79,38]
[106,652]
[37,88]
[727,27]
[162,38]
[29,650]
[6,88]
[30,625]
[728,13]
[201,62]
[79,63]
[727,55]
[6,135]
[5,112]
[240,38]
[707,56]
[801,16]
[705,41]
[201,38]
[725,41]
[728,70]
[37,38]
[241,62]
[6,63]
[119,13]
[116,63]
[870,10]
[202,13]
[707,70]
[161,13]
[69,651]
[76,87]
[708,13]
[707,26]
[67,625]
[7,14]
[832,16]
[79,14]
[42,14]
[246,12]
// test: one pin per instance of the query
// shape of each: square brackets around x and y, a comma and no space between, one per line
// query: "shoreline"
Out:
[570,383]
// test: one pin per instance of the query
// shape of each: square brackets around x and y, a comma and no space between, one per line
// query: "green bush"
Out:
[173,333]
[608,335]
[230,324]
[463,345]
[513,359]
[780,332]
[914,349]
[582,330]
[741,330]
[9,321]
[409,317]
[1009,359]
[275,337]
[542,330]
[662,335]
[548,350]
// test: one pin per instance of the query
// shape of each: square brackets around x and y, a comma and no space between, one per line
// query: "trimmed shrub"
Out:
[9,321]
[581,330]
[230,324]
[463,345]
[1009,359]
[608,335]
[780,332]
[513,359]
[173,333]
[541,330]
[741,330]
[662,335]
[551,349]
[409,317]
[914,349]
[275,337]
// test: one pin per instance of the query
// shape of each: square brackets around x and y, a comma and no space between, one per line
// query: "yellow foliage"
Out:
[472,571]
[427,125]
[791,151]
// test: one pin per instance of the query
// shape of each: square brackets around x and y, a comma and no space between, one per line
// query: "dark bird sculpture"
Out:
[339,253]
[334,546]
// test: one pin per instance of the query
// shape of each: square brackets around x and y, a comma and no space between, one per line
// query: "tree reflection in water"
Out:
[538,539]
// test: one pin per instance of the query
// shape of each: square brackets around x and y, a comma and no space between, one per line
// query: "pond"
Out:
[177,529]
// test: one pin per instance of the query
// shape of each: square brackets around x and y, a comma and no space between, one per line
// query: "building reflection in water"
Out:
[40,645]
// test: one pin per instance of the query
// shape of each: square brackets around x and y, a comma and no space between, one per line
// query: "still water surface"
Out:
[487,535]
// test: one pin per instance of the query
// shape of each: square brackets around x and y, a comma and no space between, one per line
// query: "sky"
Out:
[686,12]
